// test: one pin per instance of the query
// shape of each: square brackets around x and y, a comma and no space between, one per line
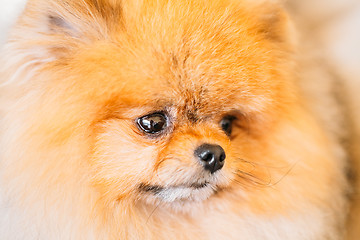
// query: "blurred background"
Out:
[333,26]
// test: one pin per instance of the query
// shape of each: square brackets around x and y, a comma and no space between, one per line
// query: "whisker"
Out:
[253,179]
[259,164]
[287,173]
[251,184]
[249,177]
[153,211]
[251,163]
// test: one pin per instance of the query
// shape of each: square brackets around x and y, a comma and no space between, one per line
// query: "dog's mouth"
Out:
[182,192]
[155,189]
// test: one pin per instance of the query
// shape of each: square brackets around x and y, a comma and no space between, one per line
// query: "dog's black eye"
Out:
[226,124]
[153,123]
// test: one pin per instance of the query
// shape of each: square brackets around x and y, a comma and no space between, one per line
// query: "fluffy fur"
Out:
[77,74]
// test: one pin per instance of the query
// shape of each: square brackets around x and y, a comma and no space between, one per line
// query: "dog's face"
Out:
[182,103]
[176,102]
[173,128]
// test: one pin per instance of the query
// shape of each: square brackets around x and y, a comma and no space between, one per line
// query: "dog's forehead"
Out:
[195,84]
[199,100]
[197,72]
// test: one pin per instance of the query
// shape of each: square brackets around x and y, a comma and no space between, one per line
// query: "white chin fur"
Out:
[174,194]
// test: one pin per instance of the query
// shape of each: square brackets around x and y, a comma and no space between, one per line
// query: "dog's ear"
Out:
[55,27]
[270,19]
[274,22]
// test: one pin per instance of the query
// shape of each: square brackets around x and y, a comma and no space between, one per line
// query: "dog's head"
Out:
[170,101]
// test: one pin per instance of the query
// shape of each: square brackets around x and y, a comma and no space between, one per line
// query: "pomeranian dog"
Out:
[163,119]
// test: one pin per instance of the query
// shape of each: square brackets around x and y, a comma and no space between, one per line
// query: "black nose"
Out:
[211,156]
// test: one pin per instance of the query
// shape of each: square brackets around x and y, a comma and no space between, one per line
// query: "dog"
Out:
[164,120]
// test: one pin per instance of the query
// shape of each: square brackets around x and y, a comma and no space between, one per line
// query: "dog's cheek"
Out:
[121,161]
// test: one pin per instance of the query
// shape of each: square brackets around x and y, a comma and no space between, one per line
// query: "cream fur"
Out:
[72,160]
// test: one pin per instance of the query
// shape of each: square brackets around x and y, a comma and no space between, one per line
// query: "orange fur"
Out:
[73,160]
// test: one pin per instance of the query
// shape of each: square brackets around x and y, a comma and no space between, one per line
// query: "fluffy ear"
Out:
[274,23]
[52,28]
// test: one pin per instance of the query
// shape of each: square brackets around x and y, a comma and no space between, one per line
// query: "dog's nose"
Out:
[211,156]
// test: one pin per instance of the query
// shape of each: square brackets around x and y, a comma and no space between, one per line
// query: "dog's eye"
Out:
[153,123]
[226,124]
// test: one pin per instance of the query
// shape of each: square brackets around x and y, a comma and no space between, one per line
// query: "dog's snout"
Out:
[212,157]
